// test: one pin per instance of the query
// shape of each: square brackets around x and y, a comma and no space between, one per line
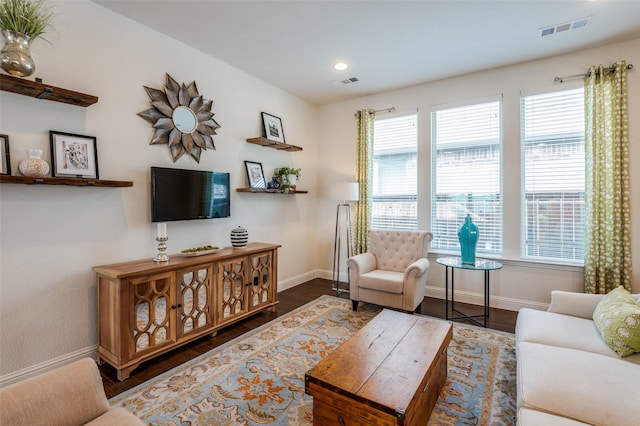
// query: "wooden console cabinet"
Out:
[147,308]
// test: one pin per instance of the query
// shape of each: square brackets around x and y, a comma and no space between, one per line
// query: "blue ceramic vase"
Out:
[468,236]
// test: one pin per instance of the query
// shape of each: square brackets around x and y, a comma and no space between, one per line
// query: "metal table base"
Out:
[485,266]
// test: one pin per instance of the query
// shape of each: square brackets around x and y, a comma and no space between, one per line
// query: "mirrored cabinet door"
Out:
[232,295]
[194,298]
[262,286]
[152,300]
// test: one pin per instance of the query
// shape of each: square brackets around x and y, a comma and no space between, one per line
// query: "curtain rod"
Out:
[569,77]
[390,109]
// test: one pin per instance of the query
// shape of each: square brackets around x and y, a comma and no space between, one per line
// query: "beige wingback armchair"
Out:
[394,272]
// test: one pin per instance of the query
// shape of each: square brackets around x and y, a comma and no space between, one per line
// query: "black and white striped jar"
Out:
[239,237]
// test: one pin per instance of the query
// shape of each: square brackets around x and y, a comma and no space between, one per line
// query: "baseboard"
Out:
[328,275]
[495,301]
[297,280]
[49,365]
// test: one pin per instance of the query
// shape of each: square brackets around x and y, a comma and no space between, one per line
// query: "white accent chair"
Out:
[394,273]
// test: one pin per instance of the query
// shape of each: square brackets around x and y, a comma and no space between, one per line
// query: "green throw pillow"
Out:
[617,317]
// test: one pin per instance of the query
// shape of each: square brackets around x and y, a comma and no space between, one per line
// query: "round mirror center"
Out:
[184,119]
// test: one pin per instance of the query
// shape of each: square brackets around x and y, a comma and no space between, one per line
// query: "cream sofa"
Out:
[67,396]
[567,374]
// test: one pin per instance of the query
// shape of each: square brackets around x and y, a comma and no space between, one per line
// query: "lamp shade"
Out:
[345,191]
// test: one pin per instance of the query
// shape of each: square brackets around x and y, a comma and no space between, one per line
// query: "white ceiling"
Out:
[387,44]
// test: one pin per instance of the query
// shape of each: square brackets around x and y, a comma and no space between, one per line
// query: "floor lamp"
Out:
[345,192]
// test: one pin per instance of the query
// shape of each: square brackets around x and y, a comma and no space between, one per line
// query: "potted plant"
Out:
[288,176]
[21,22]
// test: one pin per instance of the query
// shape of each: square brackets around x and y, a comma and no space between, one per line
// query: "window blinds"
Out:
[466,174]
[552,144]
[395,173]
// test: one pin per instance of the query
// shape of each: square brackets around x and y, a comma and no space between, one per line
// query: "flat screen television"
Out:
[179,194]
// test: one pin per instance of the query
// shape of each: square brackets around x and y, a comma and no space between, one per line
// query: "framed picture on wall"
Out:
[73,155]
[272,128]
[5,161]
[255,175]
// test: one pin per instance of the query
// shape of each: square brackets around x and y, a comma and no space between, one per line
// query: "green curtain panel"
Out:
[364,171]
[607,257]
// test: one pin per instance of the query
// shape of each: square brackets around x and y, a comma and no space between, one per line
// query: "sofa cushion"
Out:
[116,416]
[563,331]
[617,317]
[574,304]
[387,281]
[528,417]
[587,387]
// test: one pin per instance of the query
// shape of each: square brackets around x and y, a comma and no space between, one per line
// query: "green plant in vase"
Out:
[288,177]
[21,22]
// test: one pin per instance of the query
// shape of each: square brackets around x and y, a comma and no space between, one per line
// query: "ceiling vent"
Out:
[567,26]
[346,81]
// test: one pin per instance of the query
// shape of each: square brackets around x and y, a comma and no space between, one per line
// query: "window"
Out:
[552,141]
[395,173]
[466,174]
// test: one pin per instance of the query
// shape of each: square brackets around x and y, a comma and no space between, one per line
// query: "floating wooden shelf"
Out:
[273,144]
[271,191]
[65,181]
[39,90]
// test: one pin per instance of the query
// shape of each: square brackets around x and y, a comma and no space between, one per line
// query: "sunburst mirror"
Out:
[181,118]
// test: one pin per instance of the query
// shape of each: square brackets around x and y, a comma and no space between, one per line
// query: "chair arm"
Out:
[72,395]
[414,284]
[417,268]
[575,304]
[362,263]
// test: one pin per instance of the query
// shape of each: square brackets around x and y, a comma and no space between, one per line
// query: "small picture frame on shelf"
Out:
[73,155]
[272,128]
[255,175]
[5,161]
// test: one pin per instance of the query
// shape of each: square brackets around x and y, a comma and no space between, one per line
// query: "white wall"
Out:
[51,236]
[519,283]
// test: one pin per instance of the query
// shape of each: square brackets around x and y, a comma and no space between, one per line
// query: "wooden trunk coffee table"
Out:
[388,373]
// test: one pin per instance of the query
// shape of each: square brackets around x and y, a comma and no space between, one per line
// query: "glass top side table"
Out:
[455,262]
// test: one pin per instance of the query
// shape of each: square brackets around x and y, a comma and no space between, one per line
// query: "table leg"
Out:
[453,294]
[446,292]
[486,297]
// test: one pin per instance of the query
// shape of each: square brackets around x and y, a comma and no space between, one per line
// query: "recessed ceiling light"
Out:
[340,66]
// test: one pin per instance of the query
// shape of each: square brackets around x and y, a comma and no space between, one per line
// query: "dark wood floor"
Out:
[289,300]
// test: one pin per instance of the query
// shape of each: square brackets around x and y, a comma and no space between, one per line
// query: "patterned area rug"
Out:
[258,378]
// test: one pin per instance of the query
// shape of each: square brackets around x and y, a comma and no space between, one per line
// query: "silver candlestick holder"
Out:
[162,249]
